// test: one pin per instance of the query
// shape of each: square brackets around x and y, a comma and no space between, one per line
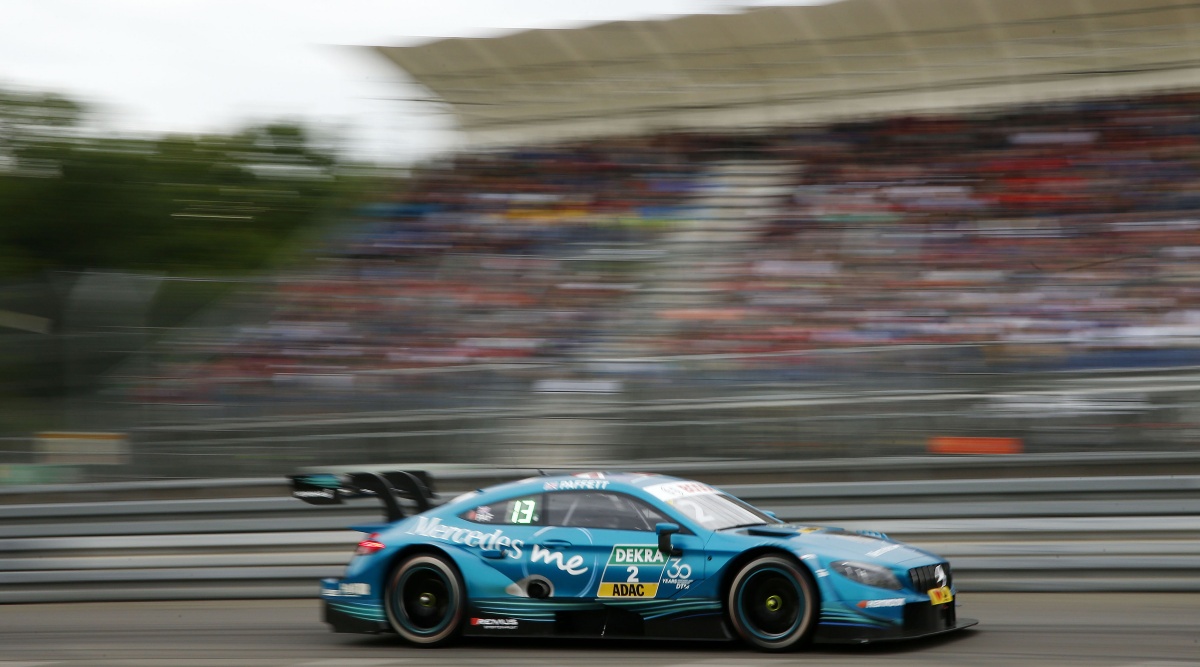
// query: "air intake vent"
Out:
[931,576]
[771,532]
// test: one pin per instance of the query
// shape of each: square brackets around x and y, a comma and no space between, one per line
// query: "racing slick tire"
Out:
[773,603]
[426,600]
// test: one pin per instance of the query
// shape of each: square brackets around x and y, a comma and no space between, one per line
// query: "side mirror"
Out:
[770,514]
[665,531]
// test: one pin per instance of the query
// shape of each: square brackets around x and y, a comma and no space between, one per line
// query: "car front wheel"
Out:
[425,600]
[773,603]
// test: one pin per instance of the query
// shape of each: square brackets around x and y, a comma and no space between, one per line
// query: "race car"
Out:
[624,555]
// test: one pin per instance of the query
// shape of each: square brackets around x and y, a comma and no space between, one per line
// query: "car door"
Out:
[509,528]
[613,535]
[554,553]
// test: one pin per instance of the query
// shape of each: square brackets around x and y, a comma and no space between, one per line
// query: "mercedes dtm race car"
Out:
[620,555]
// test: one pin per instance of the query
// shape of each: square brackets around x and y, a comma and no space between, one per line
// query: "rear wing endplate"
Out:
[389,487]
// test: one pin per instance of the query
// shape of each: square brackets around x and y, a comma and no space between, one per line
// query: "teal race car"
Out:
[626,555]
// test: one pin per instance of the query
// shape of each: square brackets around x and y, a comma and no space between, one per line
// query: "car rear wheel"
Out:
[773,603]
[426,600]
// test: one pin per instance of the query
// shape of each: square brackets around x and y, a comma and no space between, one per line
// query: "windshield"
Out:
[717,511]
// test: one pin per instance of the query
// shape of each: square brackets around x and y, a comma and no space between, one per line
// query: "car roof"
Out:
[629,482]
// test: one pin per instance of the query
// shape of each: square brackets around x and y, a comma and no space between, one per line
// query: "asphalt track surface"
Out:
[1015,629]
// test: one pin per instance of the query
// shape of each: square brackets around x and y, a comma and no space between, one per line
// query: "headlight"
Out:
[864,573]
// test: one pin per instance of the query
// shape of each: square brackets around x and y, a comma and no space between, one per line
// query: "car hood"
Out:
[836,542]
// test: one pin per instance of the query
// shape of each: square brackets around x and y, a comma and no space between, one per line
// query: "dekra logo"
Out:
[636,555]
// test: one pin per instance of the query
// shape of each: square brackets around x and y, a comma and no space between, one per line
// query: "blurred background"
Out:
[835,230]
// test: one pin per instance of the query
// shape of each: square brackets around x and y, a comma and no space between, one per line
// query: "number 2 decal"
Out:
[695,510]
[633,574]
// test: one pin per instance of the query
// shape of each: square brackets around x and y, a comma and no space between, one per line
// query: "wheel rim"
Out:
[771,604]
[425,600]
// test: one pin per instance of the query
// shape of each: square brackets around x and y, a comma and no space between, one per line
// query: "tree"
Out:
[74,200]
[218,204]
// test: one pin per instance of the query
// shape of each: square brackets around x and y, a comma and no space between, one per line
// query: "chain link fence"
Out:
[847,403]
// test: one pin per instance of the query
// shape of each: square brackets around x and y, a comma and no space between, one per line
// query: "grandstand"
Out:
[743,212]
[775,66]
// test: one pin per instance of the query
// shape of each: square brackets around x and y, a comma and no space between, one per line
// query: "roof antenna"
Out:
[541,473]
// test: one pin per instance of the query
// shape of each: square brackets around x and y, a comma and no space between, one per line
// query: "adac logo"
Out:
[637,589]
[629,590]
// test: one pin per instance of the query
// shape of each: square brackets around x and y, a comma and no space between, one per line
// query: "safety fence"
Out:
[238,539]
[1040,414]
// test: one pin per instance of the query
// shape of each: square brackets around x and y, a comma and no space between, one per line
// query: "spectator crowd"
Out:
[1066,233]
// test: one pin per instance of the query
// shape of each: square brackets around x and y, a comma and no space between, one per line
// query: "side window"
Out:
[523,511]
[600,509]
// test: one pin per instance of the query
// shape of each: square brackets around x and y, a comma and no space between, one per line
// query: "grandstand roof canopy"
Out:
[796,64]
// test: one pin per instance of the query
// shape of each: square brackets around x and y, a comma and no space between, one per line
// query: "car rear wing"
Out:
[390,487]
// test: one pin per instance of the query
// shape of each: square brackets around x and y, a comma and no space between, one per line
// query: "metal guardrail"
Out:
[1025,534]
